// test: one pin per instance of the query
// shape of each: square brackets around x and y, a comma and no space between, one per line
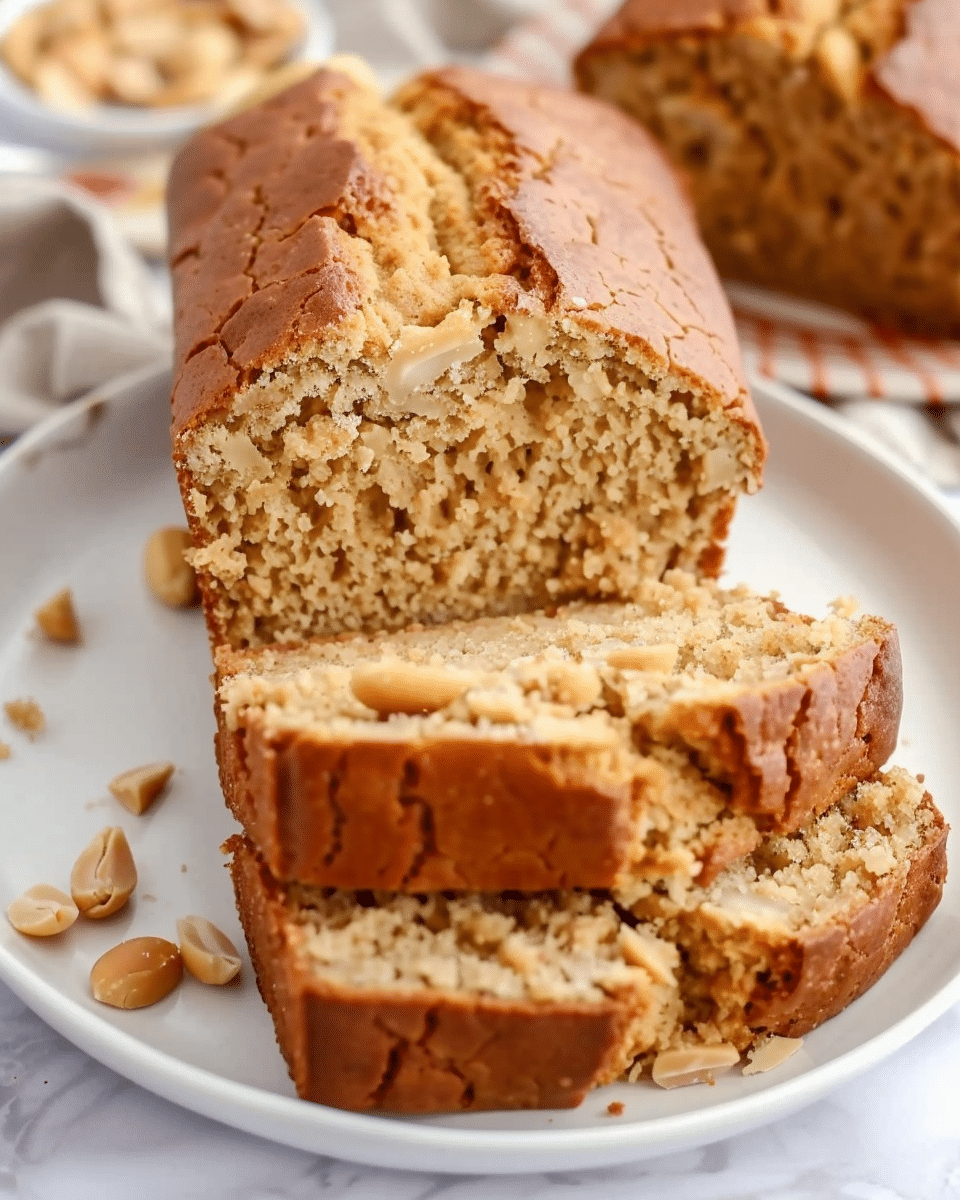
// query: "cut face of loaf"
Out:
[603,744]
[457,355]
[442,1003]
[821,141]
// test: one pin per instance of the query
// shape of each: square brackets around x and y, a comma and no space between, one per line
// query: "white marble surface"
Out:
[72,1128]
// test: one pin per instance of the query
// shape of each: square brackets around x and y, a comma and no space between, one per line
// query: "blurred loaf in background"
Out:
[820,139]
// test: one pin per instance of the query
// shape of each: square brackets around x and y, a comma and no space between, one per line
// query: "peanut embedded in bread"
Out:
[458,355]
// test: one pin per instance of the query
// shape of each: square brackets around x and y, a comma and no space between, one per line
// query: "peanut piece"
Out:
[644,950]
[21,44]
[207,952]
[136,973]
[839,57]
[42,911]
[771,1053]
[137,788]
[26,715]
[57,619]
[169,576]
[4,750]
[693,1064]
[259,16]
[422,353]
[104,876]
[407,687]
[59,87]
[645,658]
[134,80]
[572,684]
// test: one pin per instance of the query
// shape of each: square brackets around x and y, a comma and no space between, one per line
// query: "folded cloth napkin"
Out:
[78,306]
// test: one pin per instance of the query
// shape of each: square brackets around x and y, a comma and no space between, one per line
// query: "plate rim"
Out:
[387,1141]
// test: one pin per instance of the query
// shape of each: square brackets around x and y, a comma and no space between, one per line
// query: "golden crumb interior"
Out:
[587,672]
[451,451]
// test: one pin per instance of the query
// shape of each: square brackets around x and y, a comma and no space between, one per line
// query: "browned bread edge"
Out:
[423,1051]
[494,816]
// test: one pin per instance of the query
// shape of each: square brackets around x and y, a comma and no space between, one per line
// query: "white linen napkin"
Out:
[78,306]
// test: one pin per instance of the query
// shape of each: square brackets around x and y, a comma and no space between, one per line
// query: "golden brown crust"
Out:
[427,816]
[788,750]
[420,1052]
[819,974]
[258,259]
[594,202]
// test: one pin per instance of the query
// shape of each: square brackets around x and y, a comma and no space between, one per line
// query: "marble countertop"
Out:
[73,1129]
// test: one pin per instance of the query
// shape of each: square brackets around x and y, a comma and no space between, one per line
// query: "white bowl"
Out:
[112,128]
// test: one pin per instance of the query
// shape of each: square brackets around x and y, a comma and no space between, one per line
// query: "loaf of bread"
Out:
[417,1004]
[458,355]
[821,140]
[602,743]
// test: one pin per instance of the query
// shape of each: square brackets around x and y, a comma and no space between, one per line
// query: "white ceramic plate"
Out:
[79,496]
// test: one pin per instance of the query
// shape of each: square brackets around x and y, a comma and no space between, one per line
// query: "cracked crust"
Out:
[369,1016]
[820,137]
[682,776]
[423,1051]
[788,985]
[597,429]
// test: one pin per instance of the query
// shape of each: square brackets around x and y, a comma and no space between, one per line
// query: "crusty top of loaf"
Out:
[586,222]
[911,49]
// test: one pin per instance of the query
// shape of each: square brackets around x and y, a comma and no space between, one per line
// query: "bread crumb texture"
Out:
[457,355]
[820,138]
[600,744]
[731,965]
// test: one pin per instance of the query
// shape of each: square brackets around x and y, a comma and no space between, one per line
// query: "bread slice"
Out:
[417,1004]
[458,355]
[788,938]
[600,744]
[820,139]
[429,1004]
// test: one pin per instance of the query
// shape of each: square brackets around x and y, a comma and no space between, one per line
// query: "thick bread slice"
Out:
[458,355]
[371,1010]
[821,139]
[601,744]
[436,1003]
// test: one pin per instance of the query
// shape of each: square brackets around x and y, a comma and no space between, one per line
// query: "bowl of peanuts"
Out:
[123,75]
